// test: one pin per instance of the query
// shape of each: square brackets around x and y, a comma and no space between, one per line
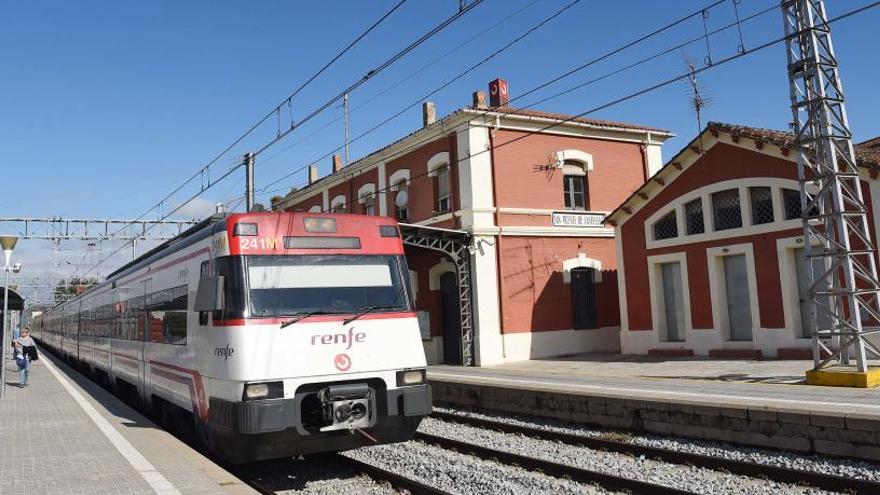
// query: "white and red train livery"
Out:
[282,333]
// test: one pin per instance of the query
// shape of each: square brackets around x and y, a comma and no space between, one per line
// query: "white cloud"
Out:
[197,208]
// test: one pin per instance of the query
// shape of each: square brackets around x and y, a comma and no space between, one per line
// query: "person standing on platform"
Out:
[25,352]
[16,333]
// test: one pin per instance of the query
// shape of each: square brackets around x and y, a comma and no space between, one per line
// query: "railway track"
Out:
[751,469]
[554,469]
[380,475]
[401,481]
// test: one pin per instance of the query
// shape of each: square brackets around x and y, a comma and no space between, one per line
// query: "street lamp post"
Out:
[7,243]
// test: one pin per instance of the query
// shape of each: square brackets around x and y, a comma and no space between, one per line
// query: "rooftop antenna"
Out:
[697,97]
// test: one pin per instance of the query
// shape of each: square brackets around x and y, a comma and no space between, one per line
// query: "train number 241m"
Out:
[257,243]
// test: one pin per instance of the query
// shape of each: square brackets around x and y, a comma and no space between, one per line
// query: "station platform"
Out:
[756,402]
[65,434]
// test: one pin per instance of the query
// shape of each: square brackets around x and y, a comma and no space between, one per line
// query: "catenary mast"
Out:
[839,251]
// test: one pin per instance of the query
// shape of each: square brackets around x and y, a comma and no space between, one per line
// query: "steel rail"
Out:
[396,480]
[557,470]
[378,474]
[752,469]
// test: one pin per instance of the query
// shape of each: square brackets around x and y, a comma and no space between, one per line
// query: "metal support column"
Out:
[456,245]
[345,112]
[3,342]
[845,294]
[249,180]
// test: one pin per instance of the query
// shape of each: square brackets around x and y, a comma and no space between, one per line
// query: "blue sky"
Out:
[107,106]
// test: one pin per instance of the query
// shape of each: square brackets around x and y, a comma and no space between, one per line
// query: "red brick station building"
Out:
[515,223]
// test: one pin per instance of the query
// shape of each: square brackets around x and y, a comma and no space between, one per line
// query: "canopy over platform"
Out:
[16,302]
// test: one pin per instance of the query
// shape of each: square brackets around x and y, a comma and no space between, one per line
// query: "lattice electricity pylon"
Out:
[845,292]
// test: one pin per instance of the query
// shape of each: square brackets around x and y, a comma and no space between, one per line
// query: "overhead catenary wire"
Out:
[372,73]
[204,172]
[396,84]
[630,96]
[486,59]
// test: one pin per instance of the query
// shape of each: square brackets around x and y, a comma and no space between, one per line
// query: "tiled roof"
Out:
[867,154]
[507,111]
[871,143]
[561,116]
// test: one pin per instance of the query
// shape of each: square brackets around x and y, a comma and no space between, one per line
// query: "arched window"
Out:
[337,205]
[366,197]
[444,190]
[438,168]
[399,181]
[574,186]
[666,227]
[401,201]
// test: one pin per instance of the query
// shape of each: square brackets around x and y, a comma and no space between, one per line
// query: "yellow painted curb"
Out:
[844,377]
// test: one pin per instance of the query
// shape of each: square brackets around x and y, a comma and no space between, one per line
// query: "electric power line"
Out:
[390,61]
[630,96]
[604,56]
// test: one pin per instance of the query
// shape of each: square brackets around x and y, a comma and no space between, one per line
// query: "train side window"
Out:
[204,271]
[174,324]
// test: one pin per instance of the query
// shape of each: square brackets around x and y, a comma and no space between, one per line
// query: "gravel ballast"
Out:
[464,474]
[325,474]
[690,478]
[848,468]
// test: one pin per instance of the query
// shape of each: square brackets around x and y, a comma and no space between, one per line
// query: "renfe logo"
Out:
[342,362]
[340,338]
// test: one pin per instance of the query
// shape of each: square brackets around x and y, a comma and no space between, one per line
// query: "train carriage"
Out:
[280,333]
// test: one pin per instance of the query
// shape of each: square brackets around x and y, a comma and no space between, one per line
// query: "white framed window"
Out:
[666,227]
[791,202]
[367,198]
[693,213]
[726,210]
[574,186]
[338,204]
[401,201]
[761,200]
[444,190]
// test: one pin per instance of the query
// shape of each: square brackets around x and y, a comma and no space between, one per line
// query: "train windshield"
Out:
[290,285]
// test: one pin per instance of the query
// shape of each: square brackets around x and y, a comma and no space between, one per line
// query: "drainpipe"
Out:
[498,242]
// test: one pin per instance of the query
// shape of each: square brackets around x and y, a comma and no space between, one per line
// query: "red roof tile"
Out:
[866,153]
[571,118]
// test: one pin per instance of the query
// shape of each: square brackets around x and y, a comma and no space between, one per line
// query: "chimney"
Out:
[429,113]
[313,173]
[480,100]
[337,163]
[499,94]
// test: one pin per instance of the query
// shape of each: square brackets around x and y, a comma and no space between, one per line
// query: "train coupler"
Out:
[347,407]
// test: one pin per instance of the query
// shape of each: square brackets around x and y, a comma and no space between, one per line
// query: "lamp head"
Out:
[7,244]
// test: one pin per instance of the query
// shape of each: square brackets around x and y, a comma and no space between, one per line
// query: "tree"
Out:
[67,289]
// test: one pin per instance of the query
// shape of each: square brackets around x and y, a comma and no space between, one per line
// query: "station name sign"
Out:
[571,219]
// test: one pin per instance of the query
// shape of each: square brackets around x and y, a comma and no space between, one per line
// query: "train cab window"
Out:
[336,284]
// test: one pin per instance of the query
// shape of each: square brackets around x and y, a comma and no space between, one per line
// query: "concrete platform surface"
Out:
[64,434]
[777,384]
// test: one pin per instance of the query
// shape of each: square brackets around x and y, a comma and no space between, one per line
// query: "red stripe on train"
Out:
[237,322]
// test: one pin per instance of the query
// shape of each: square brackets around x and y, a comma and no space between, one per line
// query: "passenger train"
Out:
[280,333]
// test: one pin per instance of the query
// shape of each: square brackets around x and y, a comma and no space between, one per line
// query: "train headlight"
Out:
[410,377]
[266,390]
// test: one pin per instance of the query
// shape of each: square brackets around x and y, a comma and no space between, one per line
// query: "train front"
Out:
[313,343]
